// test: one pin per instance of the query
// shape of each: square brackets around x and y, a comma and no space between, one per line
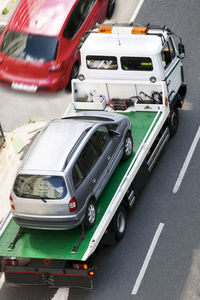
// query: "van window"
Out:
[100,139]
[78,17]
[85,163]
[136,63]
[168,53]
[101,62]
[29,47]
[90,154]
[40,186]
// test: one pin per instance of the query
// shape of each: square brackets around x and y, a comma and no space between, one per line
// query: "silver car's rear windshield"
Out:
[29,47]
[40,187]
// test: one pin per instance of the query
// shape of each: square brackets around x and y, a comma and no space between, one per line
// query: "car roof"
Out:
[43,17]
[52,147]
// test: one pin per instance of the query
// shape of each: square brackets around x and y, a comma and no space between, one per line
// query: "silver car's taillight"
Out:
[73,205]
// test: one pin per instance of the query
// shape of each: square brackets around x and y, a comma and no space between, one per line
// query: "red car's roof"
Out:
[44,17]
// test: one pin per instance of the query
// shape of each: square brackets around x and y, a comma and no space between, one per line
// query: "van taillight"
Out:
[72,205]
[11,203]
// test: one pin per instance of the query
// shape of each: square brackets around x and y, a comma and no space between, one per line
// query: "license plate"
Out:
[24,87]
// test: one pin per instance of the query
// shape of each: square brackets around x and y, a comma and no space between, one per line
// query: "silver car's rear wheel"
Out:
[90,215]
[128,146]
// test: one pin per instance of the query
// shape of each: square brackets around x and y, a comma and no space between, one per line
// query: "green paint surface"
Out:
[58,244]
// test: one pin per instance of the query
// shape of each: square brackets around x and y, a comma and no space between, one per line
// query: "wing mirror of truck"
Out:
[181,51]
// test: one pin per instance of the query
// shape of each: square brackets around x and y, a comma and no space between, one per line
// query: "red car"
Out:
[39,47]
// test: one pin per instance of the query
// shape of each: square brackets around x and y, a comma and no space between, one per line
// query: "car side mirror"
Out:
[114,133]
[181,50]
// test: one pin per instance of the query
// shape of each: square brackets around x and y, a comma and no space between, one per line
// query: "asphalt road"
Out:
[173,270]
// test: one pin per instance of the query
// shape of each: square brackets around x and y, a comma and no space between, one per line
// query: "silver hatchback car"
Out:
[66,169]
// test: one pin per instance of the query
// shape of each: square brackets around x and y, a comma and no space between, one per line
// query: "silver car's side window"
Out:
[100,139]
[90,154]
[77,175]
[84,164]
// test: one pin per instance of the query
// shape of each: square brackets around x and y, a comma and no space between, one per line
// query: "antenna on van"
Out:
[118,34]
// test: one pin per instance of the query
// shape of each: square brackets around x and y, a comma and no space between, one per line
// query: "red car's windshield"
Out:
[29,47]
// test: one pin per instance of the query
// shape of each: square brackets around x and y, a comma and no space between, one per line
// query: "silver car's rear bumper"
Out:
[62,224]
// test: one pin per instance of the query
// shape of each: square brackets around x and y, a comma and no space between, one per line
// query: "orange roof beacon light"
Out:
[105,29]
[139,30]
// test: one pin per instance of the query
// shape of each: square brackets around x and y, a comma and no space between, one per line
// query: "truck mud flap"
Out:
[48,279]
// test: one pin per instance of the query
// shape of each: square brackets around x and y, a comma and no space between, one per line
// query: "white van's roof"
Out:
[121,41]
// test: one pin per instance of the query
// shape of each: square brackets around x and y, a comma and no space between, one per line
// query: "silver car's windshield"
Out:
[40,187]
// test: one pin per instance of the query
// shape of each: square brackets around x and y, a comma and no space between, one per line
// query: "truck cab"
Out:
[126,52]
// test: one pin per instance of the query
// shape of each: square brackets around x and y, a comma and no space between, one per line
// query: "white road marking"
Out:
[2,280]
[61,294]
[147,259]
[187,161]
[136,11]
[67,111]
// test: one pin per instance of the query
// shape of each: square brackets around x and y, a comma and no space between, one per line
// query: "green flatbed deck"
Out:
[58,244]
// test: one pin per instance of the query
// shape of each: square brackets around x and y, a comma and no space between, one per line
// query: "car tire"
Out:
[128,146]
[120,223]
[73,75]
[90,215]
[173,121]
[110,9]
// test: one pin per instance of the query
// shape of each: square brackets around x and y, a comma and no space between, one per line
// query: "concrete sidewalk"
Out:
[16,145]
[7,8]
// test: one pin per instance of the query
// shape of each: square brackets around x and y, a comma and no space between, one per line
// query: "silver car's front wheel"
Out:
[128,146]
[90,215]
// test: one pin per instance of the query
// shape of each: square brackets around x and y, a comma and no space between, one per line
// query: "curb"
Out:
[9,6]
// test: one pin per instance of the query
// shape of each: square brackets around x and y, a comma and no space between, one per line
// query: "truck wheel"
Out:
[119,223]
[90,215]
[73,75]
[173,121]
[128,146]
[110,9]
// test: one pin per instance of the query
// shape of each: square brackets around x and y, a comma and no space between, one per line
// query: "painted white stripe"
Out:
[61,294]
[136,11]
[187,161]
[147,259]
[2,280]
[67,111]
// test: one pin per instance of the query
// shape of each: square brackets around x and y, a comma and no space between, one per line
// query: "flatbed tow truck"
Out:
[132,80]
